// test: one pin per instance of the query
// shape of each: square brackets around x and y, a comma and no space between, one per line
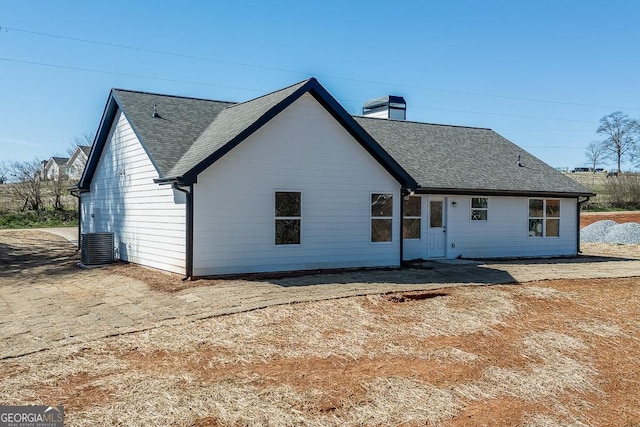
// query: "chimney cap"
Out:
[384,101]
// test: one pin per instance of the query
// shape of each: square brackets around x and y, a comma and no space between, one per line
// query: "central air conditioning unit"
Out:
[96,248]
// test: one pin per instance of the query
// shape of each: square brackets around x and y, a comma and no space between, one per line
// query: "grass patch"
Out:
[40,219]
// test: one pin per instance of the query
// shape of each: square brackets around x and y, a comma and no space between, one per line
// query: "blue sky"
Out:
[540,73]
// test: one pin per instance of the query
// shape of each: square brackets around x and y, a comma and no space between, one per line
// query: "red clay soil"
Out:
[619,217]
[616,404]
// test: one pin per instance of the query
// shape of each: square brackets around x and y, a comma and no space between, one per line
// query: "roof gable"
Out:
[58,161]
[168,134]
[237,122]
[84,149]
[457,159]
[228,129]
[165,137]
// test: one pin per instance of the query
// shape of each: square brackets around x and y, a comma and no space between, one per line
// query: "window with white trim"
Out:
[479,209]
[381,217]
[288,217]
[412,217]
[544,218]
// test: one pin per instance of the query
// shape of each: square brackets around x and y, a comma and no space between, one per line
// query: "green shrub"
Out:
[39,219]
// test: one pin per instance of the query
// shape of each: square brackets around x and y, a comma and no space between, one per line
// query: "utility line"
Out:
[202,58]
[91,70]
[114,73]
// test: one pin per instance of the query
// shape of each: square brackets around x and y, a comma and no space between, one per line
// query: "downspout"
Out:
[77,195]
[188,268]
[578,222]
[402,196]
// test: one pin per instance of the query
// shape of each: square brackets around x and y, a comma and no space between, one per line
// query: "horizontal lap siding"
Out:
[505,234]
[147,220]
[302,149]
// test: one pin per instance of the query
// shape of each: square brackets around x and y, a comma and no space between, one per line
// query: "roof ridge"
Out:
[301,83]
[420,123]
[171,96]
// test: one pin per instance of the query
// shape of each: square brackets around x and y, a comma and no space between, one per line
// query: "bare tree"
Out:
[595,154]
[28,184]
[85,139]
[4,172]
[57,188]
[622,135]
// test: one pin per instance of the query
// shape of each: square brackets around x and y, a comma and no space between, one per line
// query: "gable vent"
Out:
[387,107]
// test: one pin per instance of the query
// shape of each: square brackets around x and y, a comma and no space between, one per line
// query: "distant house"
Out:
[56,167]
[291,181]
[76,163]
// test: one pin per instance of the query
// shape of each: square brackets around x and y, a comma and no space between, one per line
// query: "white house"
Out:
[291,181]
[55,168]
[76,163]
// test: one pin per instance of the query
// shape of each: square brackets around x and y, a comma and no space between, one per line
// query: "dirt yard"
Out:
[619,217]
[558,352]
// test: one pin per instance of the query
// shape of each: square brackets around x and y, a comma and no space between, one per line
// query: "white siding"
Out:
[148,220]
[76,168]
[505,233]
[302,149]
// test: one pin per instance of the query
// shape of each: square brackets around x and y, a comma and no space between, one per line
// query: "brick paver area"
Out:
[46,301]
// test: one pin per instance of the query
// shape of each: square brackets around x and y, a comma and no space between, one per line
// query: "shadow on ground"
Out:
[414,274]
[36,252]
[580,259]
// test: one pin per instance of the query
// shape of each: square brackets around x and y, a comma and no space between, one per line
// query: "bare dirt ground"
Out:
[560,352]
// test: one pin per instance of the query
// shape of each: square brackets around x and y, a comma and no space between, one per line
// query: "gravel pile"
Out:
[608,231]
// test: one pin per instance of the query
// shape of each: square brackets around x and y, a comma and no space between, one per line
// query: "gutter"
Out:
[506,193]
[402,196]
[188,267]
[579,208]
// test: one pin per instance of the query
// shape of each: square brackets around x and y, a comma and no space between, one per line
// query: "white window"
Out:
[544,218]
[479,209]
[288,217]
[412,216]
[381,217]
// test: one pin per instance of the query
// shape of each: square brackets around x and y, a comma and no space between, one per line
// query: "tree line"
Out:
[29,186]
[621,141]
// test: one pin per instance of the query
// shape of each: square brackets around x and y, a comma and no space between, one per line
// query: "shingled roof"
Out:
[225,130]
[188,135]
[466,160]
[178,124]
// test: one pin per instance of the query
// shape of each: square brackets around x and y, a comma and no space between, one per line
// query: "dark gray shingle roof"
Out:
[168,137]
[441,157]
[191,134]
[60,161]
[227,125]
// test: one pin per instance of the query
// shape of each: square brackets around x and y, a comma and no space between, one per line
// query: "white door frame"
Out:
[437,236]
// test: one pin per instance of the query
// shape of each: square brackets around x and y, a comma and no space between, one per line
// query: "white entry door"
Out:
[437,228]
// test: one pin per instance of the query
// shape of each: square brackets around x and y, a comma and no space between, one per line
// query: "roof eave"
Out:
[506,193]
[109,113]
